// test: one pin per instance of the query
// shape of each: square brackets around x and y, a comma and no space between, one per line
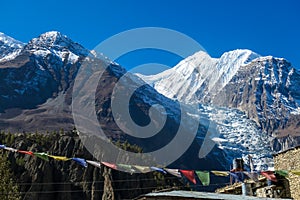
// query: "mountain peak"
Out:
[51,39]
[240,56]
[52,34]
[199,54]
[54,40]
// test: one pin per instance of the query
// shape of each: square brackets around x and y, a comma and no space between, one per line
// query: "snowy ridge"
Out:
[9,47]
[199,75]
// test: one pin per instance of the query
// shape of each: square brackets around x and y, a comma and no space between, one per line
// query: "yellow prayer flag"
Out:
[220,173]
[297,172]
[62,158]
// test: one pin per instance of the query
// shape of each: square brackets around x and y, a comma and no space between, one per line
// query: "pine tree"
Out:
[8,189]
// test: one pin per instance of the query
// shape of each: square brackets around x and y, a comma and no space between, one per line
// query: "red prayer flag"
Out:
[110,165]
[269,175]
[26,152]
[189,174]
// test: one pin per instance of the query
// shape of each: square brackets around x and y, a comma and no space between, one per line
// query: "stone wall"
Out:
[290,160]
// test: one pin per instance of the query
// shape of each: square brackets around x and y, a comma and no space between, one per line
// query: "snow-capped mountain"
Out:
[54,42]
[265,88]
[9,47]
[36,93]
[199,75]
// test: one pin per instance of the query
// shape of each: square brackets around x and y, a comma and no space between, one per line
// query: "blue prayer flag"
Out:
[80,161]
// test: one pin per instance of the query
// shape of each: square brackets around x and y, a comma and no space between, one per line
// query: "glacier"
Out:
[238,136]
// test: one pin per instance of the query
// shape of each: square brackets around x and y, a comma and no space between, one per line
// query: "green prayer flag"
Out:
[142,169]
[43,156]
[204,177]
[284,173]
[126,168]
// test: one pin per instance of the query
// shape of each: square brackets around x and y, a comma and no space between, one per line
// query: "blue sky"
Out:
[264,26]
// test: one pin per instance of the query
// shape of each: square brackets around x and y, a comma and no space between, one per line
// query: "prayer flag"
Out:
[96,164]
[43,156]
[174,172]
[80,161]
[204,177]
[189,174]
[110,165]
[126,168]
[142,169]
[158,170]
[61,158]
[297,172]
[220,173]
[10,149]
[26,152]
[238,176]
[269,175]
[284,173]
